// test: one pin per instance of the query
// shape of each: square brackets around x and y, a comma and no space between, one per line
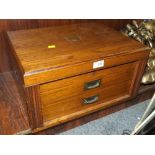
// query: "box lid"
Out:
[45,50]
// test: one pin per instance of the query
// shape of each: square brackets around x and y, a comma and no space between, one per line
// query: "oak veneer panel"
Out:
[13,115]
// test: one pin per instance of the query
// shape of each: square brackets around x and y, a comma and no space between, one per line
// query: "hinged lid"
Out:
[43,51]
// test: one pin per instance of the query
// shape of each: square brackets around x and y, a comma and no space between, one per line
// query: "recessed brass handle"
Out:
[92,84]
[91,99]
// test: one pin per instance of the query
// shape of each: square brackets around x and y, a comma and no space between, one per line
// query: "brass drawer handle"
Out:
[91,99]
[92,84]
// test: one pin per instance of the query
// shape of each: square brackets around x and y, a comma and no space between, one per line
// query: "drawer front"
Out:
[75,96]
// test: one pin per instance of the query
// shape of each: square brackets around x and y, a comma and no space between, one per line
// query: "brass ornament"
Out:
[144,33]
[151,63]
[148,77]
[152,53]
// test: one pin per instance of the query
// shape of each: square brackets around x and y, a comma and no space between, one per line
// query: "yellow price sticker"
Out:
[51,46]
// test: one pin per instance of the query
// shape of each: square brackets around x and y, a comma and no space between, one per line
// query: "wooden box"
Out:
[69,71]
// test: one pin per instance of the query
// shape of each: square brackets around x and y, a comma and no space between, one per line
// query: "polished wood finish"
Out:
[143,95]
[80,68]
[14,108]
[71,61]
[13,114]
[34,106]
[95,42]
[64,99]
[18,24]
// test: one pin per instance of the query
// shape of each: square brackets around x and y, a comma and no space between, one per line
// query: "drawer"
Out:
[72,97]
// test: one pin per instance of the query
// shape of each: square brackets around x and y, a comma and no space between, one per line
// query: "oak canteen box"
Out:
[69,71]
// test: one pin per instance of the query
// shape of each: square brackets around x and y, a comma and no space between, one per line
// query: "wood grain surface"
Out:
[20,24]
[10,111]
[144,94]
[34,106]
[65,97]
[74,50]
[13,115]
[95,41]
[64,60]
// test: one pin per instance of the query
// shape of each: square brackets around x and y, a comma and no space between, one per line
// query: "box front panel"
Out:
[73,97]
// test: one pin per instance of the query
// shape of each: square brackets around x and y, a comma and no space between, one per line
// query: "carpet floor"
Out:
[113,124]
